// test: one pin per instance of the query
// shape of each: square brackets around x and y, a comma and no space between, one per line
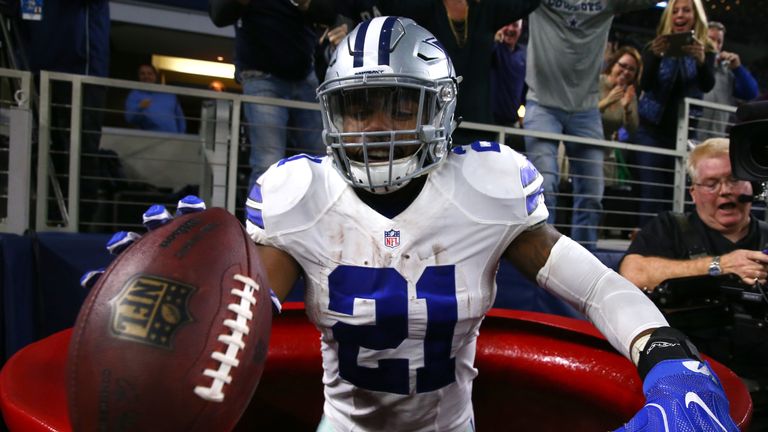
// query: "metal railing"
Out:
[213,160]
[15,150]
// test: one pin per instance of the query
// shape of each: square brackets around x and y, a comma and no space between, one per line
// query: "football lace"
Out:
[234,341]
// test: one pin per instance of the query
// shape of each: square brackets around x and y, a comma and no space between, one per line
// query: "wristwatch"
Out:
[714,267]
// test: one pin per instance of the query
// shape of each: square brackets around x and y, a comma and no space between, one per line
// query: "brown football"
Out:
[175,333]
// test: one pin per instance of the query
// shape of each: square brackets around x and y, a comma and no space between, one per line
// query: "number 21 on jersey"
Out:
[389,290]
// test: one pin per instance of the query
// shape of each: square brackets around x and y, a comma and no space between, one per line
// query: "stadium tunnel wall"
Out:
[40,292]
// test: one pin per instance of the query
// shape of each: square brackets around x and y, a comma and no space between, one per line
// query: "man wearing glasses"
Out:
[719,237]
[730,240]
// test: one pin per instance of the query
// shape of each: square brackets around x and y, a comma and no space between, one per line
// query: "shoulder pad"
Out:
[494,182]
[290,194]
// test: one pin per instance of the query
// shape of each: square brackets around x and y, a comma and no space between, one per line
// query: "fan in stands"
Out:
[174,335]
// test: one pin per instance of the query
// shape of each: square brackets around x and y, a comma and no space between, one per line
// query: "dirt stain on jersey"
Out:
[437,251]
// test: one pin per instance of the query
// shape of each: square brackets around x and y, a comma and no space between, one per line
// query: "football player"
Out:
[399,237]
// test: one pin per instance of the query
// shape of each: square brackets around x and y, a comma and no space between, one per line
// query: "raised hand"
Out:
[731,59]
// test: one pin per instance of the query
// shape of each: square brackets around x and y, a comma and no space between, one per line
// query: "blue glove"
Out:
[155,217]
[682,395]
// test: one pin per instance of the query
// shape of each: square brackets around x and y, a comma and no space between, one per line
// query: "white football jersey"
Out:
[399,301]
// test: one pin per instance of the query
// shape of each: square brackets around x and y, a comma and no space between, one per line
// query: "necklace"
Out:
[463,27]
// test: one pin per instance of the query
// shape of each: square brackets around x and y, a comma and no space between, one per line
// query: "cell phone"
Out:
[676,43]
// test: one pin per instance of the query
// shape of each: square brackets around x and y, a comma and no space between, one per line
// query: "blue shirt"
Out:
[163,114]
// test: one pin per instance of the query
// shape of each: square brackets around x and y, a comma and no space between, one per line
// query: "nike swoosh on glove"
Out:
[682,395]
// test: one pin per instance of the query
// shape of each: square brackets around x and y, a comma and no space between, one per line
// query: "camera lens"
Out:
[759,152]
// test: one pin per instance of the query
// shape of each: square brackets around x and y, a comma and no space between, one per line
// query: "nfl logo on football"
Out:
[391,238]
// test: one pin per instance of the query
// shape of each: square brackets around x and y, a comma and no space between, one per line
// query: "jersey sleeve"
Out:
[492,183]
[290,196]
[254,215]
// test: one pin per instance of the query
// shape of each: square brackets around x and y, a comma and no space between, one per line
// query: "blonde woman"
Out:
[668,78]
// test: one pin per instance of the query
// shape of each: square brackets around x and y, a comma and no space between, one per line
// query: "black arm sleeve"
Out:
[706,72]
[507,11]
[225,12]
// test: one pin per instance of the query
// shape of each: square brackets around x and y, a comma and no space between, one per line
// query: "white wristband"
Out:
[638,347]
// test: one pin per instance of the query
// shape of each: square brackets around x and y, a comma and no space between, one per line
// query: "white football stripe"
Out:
[371,47]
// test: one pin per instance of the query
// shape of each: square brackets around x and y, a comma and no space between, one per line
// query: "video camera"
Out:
[698,302]
[749,146]
[706,301]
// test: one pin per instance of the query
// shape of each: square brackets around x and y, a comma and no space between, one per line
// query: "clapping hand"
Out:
[627,97]
[336,34]
[615,95]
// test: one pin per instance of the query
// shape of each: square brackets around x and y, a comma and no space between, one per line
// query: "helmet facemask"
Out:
[387,104]
[383,135]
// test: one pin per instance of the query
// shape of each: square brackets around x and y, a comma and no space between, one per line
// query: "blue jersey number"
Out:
[389,290]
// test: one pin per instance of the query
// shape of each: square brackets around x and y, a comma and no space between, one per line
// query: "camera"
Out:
[749,143]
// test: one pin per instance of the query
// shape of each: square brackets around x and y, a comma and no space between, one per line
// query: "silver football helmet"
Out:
[387,104]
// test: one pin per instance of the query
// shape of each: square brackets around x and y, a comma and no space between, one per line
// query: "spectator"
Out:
[399,299]
[348,14]
[618,92]
[666,81]
[618,104]
[274,51]
[718,237]
[729,235]
[151,110]
[733,84]
[72,36]
[508,74]
[217,85]
[565,54]
[469,42]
